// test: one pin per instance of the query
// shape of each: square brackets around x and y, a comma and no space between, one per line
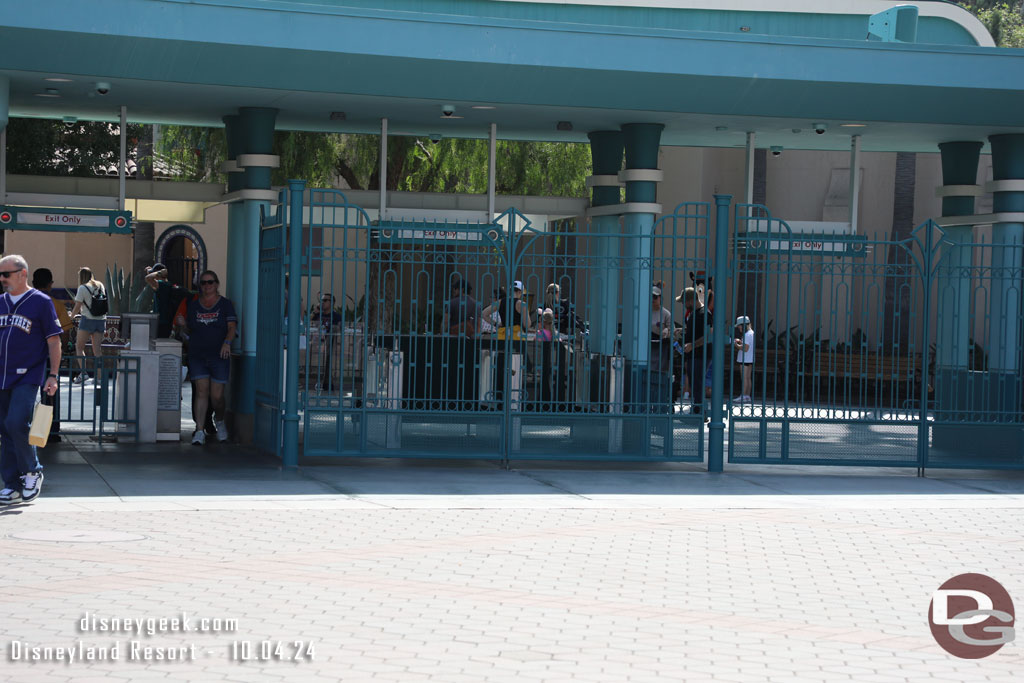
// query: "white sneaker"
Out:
[198,437]
[746,399]
[222,430]
[32,484]
[9,497]
[79,379]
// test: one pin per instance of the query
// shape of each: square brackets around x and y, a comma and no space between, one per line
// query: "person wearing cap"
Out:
[659,385]
[166,298]
[461,311]
[513,310]
[745,358]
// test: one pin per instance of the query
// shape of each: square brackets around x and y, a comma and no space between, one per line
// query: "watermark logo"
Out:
[971,616]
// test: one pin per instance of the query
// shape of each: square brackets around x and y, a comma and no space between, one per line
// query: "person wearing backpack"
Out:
[91,302]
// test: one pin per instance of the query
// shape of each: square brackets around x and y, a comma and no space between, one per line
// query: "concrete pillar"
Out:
[257,138]
[1004,347]
[606,155]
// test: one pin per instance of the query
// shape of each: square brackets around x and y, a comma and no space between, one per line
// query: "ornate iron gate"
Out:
[869,352]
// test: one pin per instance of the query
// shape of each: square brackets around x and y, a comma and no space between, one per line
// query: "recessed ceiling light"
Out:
[47,94]
[58,80]
[853,125]
[449,117]
[482,106]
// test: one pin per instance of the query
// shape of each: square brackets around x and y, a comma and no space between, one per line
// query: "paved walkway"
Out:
[424,571]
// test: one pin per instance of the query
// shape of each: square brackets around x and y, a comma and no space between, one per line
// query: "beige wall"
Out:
[65,253]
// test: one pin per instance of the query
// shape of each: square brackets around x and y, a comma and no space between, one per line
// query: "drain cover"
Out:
[78,536]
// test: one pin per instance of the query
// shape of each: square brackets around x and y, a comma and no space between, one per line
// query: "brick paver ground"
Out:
[455,575]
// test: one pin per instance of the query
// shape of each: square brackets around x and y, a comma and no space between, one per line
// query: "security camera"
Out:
[776,151]
[820,128]
[435,138]
[102,88]
[448,110]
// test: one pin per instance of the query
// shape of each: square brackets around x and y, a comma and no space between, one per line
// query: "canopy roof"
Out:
[707,75]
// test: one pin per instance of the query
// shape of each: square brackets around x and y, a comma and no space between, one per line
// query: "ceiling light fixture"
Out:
[482,106]
[50,92]
[853,125]
[58,80]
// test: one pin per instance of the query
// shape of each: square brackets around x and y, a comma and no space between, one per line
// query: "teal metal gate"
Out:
[387,367]
[270,342]
[873,352]
[888,353]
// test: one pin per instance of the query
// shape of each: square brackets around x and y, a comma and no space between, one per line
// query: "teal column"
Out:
[642,141]
[716,430]
[290,432]
[606,155]
[953,279]
[235,275]
[257,132]
[1004,348]
[5,100]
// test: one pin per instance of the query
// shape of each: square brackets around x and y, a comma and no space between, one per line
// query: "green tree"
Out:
[1003,20]
[414,164]
[54,148]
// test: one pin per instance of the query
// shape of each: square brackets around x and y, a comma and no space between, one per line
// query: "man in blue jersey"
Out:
[29,335]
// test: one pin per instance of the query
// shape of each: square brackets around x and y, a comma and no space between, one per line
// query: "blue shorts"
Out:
[92,325]
[203,365]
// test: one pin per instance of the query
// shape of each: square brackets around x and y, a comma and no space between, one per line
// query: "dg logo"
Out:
[971,616]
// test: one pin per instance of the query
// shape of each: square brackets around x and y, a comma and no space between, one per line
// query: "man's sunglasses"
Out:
[8,273]
[207,282]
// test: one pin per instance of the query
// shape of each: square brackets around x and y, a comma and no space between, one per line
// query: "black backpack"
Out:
[98,306]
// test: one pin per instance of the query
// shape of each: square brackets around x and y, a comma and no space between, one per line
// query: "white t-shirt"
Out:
[84,294]
[748,355]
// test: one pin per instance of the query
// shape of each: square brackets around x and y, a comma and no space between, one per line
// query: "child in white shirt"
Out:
[745,358]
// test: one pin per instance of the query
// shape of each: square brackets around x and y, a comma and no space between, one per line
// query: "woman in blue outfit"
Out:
[211,323]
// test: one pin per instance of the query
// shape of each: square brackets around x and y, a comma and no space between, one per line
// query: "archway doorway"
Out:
[183,251]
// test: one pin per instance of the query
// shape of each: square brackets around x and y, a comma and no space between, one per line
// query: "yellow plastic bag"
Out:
[517,332]
[40,430]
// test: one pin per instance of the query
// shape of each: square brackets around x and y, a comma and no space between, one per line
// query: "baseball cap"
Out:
[743,320]
[656,291]
[518,284]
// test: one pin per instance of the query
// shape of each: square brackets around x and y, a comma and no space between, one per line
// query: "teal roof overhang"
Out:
[171,61]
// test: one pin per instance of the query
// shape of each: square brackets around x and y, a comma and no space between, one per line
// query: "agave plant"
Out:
[125,294]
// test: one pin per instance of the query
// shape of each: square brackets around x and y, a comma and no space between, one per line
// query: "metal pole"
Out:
[716,430]
[383,169]
[854,182]
[749,187]
[491,174]
[290,438]
[121,167]
[3,165]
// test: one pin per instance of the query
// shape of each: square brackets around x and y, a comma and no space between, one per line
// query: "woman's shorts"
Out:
[203,365]
[91,325]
